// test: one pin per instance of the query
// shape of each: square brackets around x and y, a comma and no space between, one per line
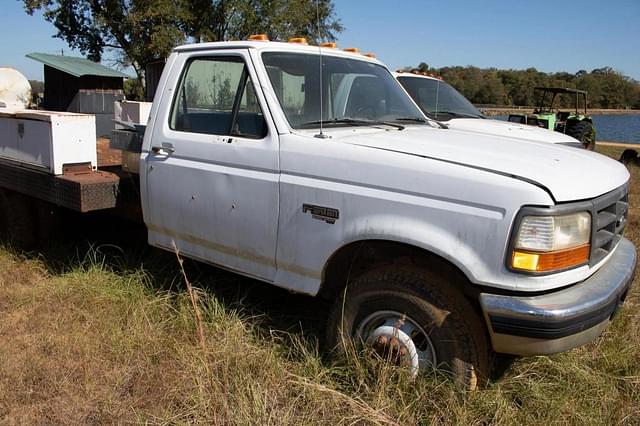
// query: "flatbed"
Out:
[78,189]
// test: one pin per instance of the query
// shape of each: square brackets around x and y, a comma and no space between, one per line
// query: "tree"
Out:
[141,31]
[207,20]
[138,30]
[607,87]
[133,89]
[491,90]
[423,67]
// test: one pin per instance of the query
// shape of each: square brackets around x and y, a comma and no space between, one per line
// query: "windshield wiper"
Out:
[415,119]
[459,114]
[354,122]
[422,120]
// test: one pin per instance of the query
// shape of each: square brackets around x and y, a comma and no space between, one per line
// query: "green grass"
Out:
[91,339]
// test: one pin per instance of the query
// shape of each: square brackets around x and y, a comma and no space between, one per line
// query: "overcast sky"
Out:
[547,35]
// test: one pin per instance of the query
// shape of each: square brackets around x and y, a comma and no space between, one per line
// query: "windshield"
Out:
[354,92]
[439,100]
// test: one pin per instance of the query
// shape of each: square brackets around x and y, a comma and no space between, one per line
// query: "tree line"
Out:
[606,87]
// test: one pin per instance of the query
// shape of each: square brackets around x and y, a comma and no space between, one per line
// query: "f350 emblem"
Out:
[327,214]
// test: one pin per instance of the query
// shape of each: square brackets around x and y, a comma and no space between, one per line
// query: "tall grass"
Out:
[98,340]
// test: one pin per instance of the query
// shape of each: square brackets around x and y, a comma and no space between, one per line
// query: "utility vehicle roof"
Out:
[561,90]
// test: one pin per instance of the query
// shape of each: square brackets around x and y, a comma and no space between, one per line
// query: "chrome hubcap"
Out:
[398,338]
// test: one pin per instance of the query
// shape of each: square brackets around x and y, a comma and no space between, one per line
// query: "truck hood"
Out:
[567,173]
[508,129]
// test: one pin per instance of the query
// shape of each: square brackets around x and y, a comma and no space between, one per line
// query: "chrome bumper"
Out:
[564,319]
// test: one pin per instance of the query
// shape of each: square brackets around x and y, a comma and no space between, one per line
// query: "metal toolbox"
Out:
[48,139]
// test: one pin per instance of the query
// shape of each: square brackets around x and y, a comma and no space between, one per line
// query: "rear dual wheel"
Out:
[17,219]
[415,318]
[26,222]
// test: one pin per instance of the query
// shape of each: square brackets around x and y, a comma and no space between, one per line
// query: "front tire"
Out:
[410,313]
[585,133]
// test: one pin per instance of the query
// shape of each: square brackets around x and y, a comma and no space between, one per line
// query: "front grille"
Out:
[610,218]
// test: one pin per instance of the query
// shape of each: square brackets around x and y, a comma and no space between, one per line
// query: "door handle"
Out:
[166,147]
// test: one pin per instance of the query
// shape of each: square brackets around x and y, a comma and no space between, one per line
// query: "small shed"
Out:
[79,85]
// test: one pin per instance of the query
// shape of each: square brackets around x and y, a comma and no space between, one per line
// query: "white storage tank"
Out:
[15,90]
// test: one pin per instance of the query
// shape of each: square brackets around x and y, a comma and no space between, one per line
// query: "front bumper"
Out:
[563,319]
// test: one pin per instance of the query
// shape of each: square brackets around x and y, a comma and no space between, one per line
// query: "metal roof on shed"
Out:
[75,66]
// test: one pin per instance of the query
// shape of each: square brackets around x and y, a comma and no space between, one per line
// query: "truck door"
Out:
[212,168]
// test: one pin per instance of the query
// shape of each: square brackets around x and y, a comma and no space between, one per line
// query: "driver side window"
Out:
[216,96]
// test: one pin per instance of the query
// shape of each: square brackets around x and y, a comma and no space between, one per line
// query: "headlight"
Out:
[552,243]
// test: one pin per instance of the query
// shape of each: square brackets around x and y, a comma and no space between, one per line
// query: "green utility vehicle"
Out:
[574,123]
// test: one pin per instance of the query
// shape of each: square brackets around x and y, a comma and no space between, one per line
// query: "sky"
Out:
[548,35]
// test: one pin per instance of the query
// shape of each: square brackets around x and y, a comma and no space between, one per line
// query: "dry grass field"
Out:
[93,335]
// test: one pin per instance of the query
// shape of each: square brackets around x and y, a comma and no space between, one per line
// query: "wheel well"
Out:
[356,258]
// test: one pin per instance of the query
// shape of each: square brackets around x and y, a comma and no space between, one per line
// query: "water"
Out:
[618,128]
[613,127]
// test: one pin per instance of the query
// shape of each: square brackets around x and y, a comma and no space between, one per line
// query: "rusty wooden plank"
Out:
[106,155]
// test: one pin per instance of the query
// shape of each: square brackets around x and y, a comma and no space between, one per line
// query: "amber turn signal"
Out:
[550,261]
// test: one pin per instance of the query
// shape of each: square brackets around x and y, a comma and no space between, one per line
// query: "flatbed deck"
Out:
[107,157]
[79,188]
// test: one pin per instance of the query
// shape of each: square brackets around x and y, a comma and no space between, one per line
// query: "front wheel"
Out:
[414,318]
[585,133]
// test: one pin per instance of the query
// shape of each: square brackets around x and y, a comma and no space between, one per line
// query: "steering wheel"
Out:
[365,111]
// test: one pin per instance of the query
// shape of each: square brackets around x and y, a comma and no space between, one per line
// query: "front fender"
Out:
[471,237]
[455,245]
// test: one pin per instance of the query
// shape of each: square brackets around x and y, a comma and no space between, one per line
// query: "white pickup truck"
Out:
[440,101]
[319,174]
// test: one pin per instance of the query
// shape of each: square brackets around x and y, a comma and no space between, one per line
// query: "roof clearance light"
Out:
[370,55]
[331,44]
[258,37]
[351,49]
[298,40]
